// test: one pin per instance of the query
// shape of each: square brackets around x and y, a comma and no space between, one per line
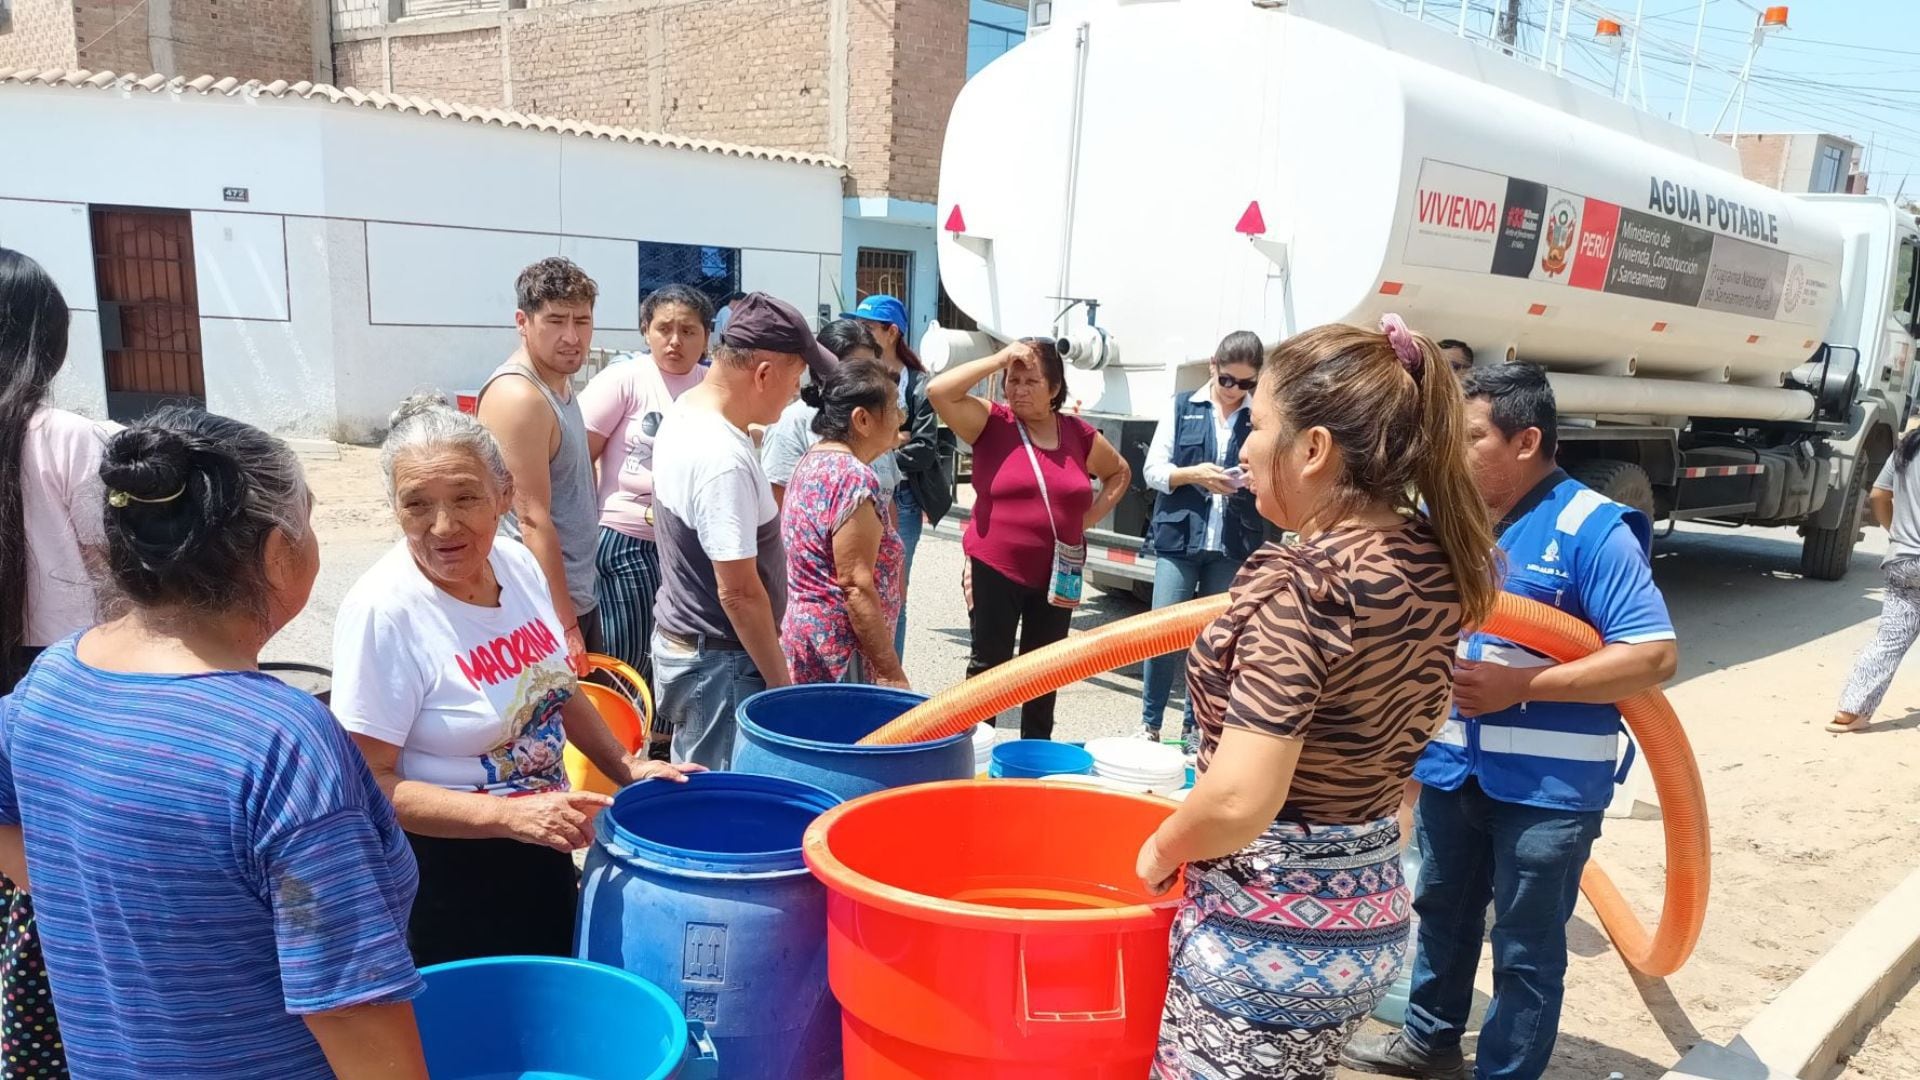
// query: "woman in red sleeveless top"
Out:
[1033,501]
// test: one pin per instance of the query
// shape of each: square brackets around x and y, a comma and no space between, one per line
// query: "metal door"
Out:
[149,309]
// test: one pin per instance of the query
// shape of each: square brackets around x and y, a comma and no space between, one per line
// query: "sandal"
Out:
[1840,727]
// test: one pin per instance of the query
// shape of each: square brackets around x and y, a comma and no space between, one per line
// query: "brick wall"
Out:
[579,62]
[750,71]
[1763,158]
[359,64]
[929,66]
[248,39]
[42,36]
[112,36]
[462,67]
[870,88]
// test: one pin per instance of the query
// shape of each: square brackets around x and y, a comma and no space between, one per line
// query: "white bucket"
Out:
[984,737]
[1152,767]
[1098,781]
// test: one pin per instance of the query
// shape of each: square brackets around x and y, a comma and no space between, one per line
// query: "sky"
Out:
[1843,66]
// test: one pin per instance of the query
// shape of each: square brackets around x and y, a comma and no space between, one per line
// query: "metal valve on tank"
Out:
[1089,348]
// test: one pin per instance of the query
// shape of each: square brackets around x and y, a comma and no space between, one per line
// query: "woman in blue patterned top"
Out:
[222,890]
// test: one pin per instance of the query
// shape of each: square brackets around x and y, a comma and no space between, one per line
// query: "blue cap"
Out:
[880,308]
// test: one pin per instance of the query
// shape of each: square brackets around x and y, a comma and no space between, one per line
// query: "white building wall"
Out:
[58,235]
[377,251]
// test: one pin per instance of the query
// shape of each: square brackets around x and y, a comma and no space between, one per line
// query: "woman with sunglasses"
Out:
[1204,522]
[623,407]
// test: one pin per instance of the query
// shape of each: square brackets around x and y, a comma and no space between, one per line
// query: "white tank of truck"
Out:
[1393,168]
[1139,178]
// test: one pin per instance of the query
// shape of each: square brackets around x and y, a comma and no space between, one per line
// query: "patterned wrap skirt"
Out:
[1281,950]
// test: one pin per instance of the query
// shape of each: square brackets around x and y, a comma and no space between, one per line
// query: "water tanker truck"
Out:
[1139,178]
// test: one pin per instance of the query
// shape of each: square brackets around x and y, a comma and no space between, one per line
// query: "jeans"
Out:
[1176,579]
[698,691]
[907,509]
[996,607]
[1528,861]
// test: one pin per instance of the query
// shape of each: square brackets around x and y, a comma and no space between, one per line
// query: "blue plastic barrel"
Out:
[1030,759]
[553,1018]
[807,733]
[700,889]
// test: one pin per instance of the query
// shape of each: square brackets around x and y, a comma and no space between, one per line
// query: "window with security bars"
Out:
[882,271]
[713,270]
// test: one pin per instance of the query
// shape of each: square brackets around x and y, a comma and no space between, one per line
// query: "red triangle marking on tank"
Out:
[1251,222]
[956,223]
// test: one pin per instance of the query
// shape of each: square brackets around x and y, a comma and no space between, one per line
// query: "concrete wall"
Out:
[338,289]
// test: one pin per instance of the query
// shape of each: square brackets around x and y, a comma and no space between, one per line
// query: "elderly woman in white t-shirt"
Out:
[450,670]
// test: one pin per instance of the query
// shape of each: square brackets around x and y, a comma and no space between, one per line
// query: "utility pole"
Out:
[1509,29]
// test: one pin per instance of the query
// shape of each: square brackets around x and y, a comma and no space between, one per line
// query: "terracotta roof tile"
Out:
[280,88]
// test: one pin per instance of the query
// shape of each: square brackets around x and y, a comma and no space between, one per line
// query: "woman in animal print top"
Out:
[1315,692]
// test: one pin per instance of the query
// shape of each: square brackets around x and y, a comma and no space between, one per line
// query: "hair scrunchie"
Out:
[1402,340]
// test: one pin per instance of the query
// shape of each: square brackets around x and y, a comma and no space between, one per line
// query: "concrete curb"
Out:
[1803,1032]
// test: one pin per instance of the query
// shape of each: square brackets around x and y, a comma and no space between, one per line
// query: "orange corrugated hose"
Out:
[1676,776]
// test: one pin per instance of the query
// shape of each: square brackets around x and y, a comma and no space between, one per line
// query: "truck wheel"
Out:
[1621,481]
[1826,553]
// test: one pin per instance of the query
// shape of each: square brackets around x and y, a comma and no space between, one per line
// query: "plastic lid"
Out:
[715,823]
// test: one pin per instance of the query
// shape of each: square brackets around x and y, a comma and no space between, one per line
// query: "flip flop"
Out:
[1838,728]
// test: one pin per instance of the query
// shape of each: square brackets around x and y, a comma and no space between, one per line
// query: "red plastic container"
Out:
[994,929]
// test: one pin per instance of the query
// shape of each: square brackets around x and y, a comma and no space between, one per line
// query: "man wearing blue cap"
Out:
[925,489]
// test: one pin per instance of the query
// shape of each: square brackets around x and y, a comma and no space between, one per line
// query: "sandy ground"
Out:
[1809,828]
[1891,1050]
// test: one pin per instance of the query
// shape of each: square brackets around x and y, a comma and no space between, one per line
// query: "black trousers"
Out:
[491,897]
[997,608]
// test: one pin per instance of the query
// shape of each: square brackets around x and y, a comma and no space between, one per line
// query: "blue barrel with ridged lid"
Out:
[700,889]
[811,733]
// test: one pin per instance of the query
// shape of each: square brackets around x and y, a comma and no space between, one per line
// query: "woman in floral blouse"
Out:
[844,555]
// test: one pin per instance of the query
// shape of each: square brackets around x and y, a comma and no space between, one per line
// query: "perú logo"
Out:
[1557,237]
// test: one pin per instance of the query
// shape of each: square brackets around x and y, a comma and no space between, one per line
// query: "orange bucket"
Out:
[626,711]
[993,930]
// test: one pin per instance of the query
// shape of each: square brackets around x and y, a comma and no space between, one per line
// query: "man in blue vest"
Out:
[1204,522]
[1517,778]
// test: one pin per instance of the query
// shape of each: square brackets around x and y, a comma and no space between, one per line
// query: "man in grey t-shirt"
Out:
[723,569]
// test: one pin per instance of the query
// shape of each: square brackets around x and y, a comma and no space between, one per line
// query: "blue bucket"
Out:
[502,1017]
[807,733]
[700,889]
[1030,759]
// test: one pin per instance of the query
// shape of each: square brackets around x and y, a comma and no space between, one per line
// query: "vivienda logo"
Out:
[1461,212]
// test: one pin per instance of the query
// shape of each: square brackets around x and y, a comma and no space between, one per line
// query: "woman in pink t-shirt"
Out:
[50,514]
[623,407]
[1031,493]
